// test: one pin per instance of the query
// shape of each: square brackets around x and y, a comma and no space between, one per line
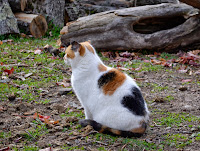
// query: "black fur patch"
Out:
[134,102]
[105,78]
[85,122]
[106,130]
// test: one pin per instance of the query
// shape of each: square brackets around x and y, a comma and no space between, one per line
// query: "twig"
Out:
[30,135]
[124,146]
[101,143]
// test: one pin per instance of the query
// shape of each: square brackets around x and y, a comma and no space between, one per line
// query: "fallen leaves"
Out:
[5,149]
[44,119]
[65,83]
[186,80]
[9,72]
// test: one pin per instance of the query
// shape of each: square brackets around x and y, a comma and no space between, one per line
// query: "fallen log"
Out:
[163,26]
[31,23]
[8,22]
[153,2]
[80,8]
[194,3]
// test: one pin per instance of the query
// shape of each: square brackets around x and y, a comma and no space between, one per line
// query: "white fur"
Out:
[104,109]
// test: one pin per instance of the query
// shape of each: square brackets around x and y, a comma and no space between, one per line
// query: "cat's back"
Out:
[113,81]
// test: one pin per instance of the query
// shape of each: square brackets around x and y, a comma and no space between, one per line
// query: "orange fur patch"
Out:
[88,46]
[141,129]
[82,51]
[116,132]
[70,52]
[102,68]
[103,128]
[110,87]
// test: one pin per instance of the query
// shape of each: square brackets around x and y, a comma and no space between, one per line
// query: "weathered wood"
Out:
[8,22]
[35,24]
[194,3]
[80,8]
[17,5]
[53,10]
[153,2]
[160,26]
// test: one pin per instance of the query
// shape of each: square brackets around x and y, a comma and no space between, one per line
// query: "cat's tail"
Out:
[137,132]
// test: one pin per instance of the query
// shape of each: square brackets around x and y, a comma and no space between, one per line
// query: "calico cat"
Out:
[112,101]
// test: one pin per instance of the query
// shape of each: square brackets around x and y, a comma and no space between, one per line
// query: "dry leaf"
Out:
[9,71]
[186,80]
[38,51]
[27,75]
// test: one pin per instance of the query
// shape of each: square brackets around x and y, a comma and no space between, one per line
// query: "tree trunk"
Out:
[194,3]
[17,5]
[35,24]
[158,27]
[53,10]
[8,22]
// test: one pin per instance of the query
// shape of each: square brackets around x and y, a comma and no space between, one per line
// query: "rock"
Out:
[12,97]
[187,108]
[183,88]
[64,91]
[59,107]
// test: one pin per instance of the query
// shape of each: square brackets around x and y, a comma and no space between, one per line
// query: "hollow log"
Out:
[17,5]
[194,3]
[31,23]
[8,22]
[162,27]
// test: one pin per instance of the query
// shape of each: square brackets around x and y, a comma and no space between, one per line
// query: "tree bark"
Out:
[8,22]
[154,2]
[35,24]
[53,10]
[194,3]
[149,27]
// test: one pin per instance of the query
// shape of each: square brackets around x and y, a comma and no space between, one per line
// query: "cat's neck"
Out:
[87,65]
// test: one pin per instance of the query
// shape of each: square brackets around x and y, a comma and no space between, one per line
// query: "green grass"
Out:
[47,71]
[21,51]
[39,129]
[79,114]
[177,140]
[174,119]
[5,135]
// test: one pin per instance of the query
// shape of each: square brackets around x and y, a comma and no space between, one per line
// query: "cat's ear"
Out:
[75,46]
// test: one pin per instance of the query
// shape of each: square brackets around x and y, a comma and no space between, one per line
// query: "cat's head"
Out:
[75,51]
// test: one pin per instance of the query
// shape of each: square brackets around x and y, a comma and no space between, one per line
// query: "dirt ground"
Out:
[163,90]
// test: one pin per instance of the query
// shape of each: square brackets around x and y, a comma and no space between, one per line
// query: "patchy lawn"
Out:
[38,112]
